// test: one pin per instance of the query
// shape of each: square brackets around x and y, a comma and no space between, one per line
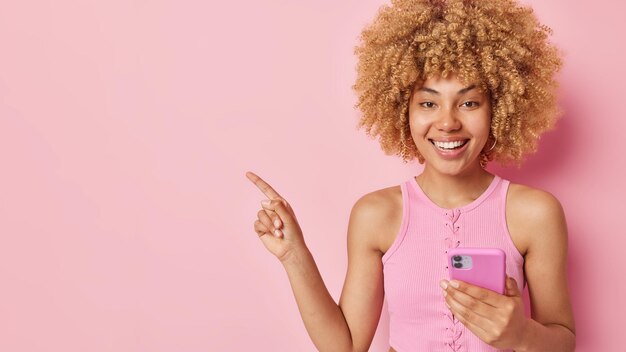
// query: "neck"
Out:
[450,191]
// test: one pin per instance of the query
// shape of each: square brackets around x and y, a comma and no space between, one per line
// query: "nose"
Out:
[447,121]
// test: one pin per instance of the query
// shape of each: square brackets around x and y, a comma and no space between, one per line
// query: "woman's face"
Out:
[450,123]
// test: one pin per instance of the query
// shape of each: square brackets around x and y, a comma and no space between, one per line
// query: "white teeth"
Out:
[449,145]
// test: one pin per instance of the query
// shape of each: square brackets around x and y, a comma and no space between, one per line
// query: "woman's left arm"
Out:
[499,319]
[545,266]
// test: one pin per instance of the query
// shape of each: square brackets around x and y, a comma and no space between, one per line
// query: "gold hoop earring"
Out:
[494,144]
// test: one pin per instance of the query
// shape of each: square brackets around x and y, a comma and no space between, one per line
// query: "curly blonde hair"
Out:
[497,43]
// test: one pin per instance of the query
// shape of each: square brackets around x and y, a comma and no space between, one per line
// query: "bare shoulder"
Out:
[382,211]
[532,204]
[529,212]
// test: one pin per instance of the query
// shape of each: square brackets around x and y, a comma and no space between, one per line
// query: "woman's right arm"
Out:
[350,325]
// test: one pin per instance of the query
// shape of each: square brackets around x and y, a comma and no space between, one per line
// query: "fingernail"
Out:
[443,284]
[276,223]
[454,284]
[277,233]
[265,202]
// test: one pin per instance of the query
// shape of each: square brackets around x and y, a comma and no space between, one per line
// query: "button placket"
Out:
[455,328]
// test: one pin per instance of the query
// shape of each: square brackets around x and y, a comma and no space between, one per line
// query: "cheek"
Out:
[487,126]
[484,126]
[480,124]
[418,126]
[488,118]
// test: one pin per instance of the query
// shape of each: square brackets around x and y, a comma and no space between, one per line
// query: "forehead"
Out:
[449,84]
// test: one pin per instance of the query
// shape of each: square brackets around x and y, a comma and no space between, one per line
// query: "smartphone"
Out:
[484,267]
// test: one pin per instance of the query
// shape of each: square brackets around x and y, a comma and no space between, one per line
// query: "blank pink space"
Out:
[126,129]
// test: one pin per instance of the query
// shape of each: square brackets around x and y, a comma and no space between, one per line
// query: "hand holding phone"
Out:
[484,267]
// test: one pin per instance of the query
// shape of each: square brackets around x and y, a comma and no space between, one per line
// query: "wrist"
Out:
[295,256]
[527,334]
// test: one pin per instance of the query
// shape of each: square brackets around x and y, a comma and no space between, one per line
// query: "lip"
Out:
[449,154]
[448,139]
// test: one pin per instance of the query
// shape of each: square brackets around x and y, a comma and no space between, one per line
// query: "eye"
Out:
[470,104]
[427,104]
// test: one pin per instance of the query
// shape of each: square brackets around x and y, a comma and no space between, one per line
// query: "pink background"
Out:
[126,129]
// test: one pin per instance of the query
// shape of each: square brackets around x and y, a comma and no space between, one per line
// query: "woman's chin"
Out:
[453,167]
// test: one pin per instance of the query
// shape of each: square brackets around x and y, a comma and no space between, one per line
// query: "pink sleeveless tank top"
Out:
[416,261]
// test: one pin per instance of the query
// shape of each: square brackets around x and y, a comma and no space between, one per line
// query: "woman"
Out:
[454,84]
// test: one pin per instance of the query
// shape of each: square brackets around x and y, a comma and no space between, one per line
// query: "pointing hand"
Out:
[276,225]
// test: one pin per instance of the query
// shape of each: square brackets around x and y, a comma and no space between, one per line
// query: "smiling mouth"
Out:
[449,145]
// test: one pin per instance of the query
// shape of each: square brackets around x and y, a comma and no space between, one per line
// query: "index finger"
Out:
[263,186]
[482,294]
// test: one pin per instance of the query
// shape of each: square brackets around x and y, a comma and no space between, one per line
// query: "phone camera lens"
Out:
[458,265]
[457,258]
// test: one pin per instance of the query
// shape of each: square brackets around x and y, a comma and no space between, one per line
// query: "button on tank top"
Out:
[416,262]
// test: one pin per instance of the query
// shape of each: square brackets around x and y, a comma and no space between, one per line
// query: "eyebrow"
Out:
[462,91]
